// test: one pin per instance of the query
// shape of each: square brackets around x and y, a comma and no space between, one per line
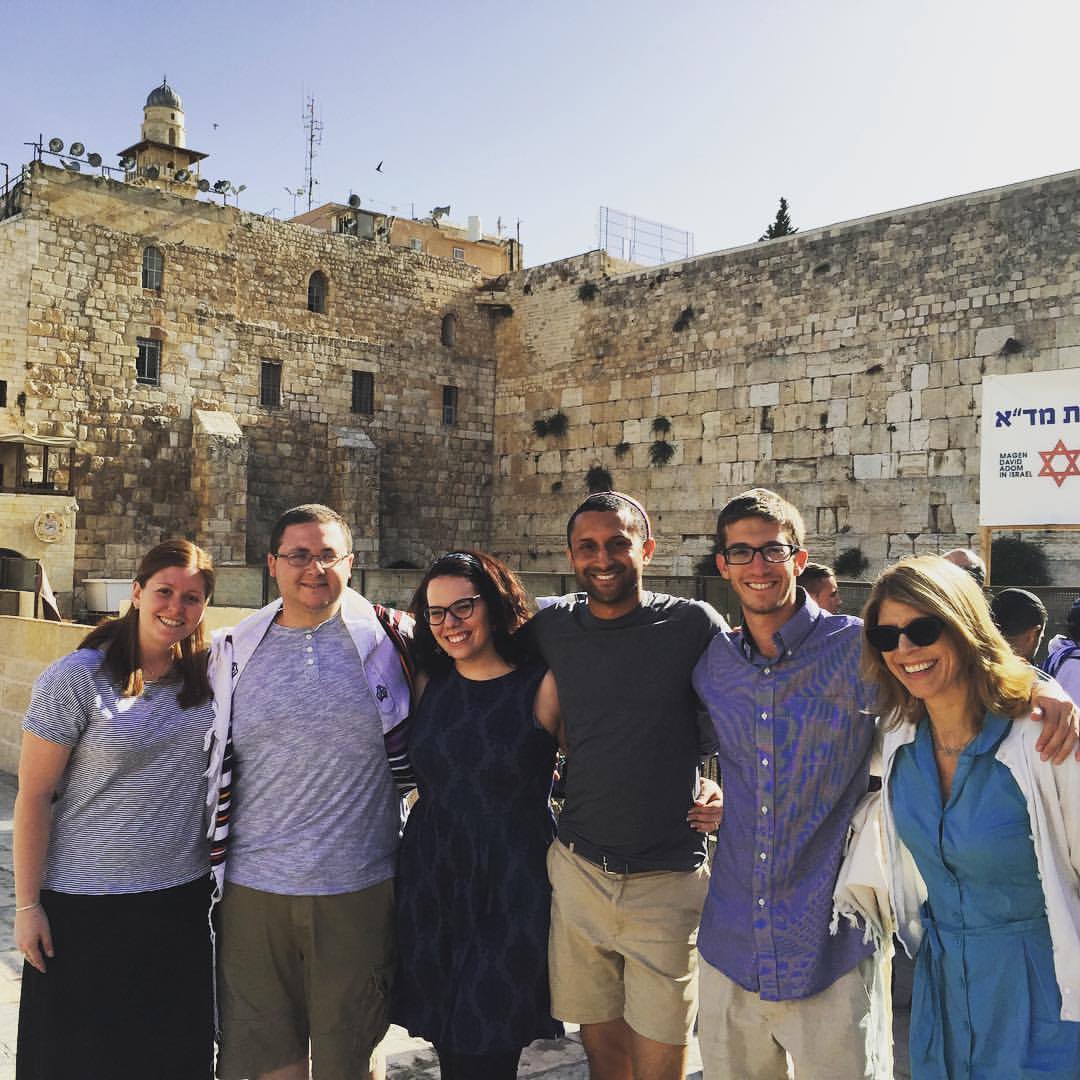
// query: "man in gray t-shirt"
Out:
[629,874]
[306,935]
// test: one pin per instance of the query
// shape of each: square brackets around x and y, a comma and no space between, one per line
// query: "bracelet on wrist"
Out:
[28,907]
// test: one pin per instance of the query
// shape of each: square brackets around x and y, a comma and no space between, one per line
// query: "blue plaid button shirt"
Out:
[795,736]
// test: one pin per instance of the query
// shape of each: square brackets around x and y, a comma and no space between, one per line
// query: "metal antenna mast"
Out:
[313,127]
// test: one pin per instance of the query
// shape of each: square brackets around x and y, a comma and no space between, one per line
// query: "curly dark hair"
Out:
[505,598]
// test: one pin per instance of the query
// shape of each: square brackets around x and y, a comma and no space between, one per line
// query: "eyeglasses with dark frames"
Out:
[922,631]
[742,554]
[461,610]
[301,559]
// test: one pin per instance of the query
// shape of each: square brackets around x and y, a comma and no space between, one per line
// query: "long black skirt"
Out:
[128,995]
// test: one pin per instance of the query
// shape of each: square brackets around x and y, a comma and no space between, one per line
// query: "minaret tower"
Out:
[161,158]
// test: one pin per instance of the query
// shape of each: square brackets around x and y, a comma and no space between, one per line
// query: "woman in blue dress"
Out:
[473,893]
[982,836]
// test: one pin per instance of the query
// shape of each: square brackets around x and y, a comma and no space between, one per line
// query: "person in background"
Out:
[112,883]
[473,898]
[970,561]
[1021,617]
[982,836]
[1063,654]
[820,582]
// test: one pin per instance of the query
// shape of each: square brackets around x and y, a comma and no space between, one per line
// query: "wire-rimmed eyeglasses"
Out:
[301,559]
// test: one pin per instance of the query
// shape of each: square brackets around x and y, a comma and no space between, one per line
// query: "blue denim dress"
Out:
[986,1002]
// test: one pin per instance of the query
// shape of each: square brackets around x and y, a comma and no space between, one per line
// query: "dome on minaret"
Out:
[164,95]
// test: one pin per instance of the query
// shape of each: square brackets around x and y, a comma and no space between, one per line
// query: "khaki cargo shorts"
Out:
[625,945]
[294,970]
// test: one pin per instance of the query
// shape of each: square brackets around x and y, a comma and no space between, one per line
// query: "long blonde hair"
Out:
[997,679]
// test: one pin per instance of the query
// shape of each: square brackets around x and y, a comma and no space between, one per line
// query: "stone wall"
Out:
[27,647]
[235,294]
[840,366]
[17,516]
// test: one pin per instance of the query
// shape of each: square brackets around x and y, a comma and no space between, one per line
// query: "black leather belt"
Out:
[617,864]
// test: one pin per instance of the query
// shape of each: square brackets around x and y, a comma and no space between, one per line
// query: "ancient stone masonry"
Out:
[840,366]
[233,300]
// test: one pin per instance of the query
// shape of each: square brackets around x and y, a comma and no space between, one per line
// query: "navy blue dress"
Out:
[473,893]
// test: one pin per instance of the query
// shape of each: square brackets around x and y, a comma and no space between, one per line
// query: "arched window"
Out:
[449,330]
[153,268]
[316,293]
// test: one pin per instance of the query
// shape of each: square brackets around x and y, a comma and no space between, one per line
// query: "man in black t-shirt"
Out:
[628,873]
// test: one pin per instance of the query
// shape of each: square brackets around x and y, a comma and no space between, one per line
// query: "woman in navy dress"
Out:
[982,835]
[473,893]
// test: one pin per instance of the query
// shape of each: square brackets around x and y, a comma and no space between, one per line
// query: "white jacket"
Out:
[231,650]
[1052,793]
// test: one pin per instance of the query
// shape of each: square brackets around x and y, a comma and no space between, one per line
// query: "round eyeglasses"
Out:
[461,610]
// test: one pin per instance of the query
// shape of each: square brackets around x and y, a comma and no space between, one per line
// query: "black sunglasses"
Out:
[922,631]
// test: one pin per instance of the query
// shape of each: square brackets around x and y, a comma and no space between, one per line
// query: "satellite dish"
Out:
[204,185]
[221,186]
[94,159]
[354,201]
[77,149]
[72,166]
[182,176]
[153,172]
[127,163]
[56,146]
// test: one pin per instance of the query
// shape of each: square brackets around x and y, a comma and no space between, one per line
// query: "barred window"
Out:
[148,363]
[153,268]
[363,392]
[449,405]
[270,384]
[316,293]
[459,254]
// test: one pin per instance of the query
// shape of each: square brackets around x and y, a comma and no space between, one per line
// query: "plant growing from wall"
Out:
[661,452]
[556,485]
[622,449]
[686,317]
[588,291]
[850,563]
[555,424]
[598,479]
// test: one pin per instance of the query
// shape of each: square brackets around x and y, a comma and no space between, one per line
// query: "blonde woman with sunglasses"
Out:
[982,835]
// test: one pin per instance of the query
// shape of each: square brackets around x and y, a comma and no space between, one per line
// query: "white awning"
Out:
[37,440]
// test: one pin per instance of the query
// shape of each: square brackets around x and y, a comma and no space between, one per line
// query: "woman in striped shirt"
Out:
[111,862]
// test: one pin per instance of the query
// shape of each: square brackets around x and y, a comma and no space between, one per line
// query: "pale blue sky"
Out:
[696,114]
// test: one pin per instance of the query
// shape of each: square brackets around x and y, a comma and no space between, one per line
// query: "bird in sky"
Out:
[378,168]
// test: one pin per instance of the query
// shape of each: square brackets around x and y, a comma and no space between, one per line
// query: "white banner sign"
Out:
[1030,465]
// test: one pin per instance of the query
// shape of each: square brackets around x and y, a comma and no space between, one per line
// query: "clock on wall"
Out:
[49,527]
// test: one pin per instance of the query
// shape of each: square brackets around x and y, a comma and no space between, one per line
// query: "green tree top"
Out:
[781,226]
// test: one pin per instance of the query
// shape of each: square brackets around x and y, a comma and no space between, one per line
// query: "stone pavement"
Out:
[407,1059]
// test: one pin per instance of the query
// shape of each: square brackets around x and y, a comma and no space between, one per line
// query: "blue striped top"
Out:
[129,811]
